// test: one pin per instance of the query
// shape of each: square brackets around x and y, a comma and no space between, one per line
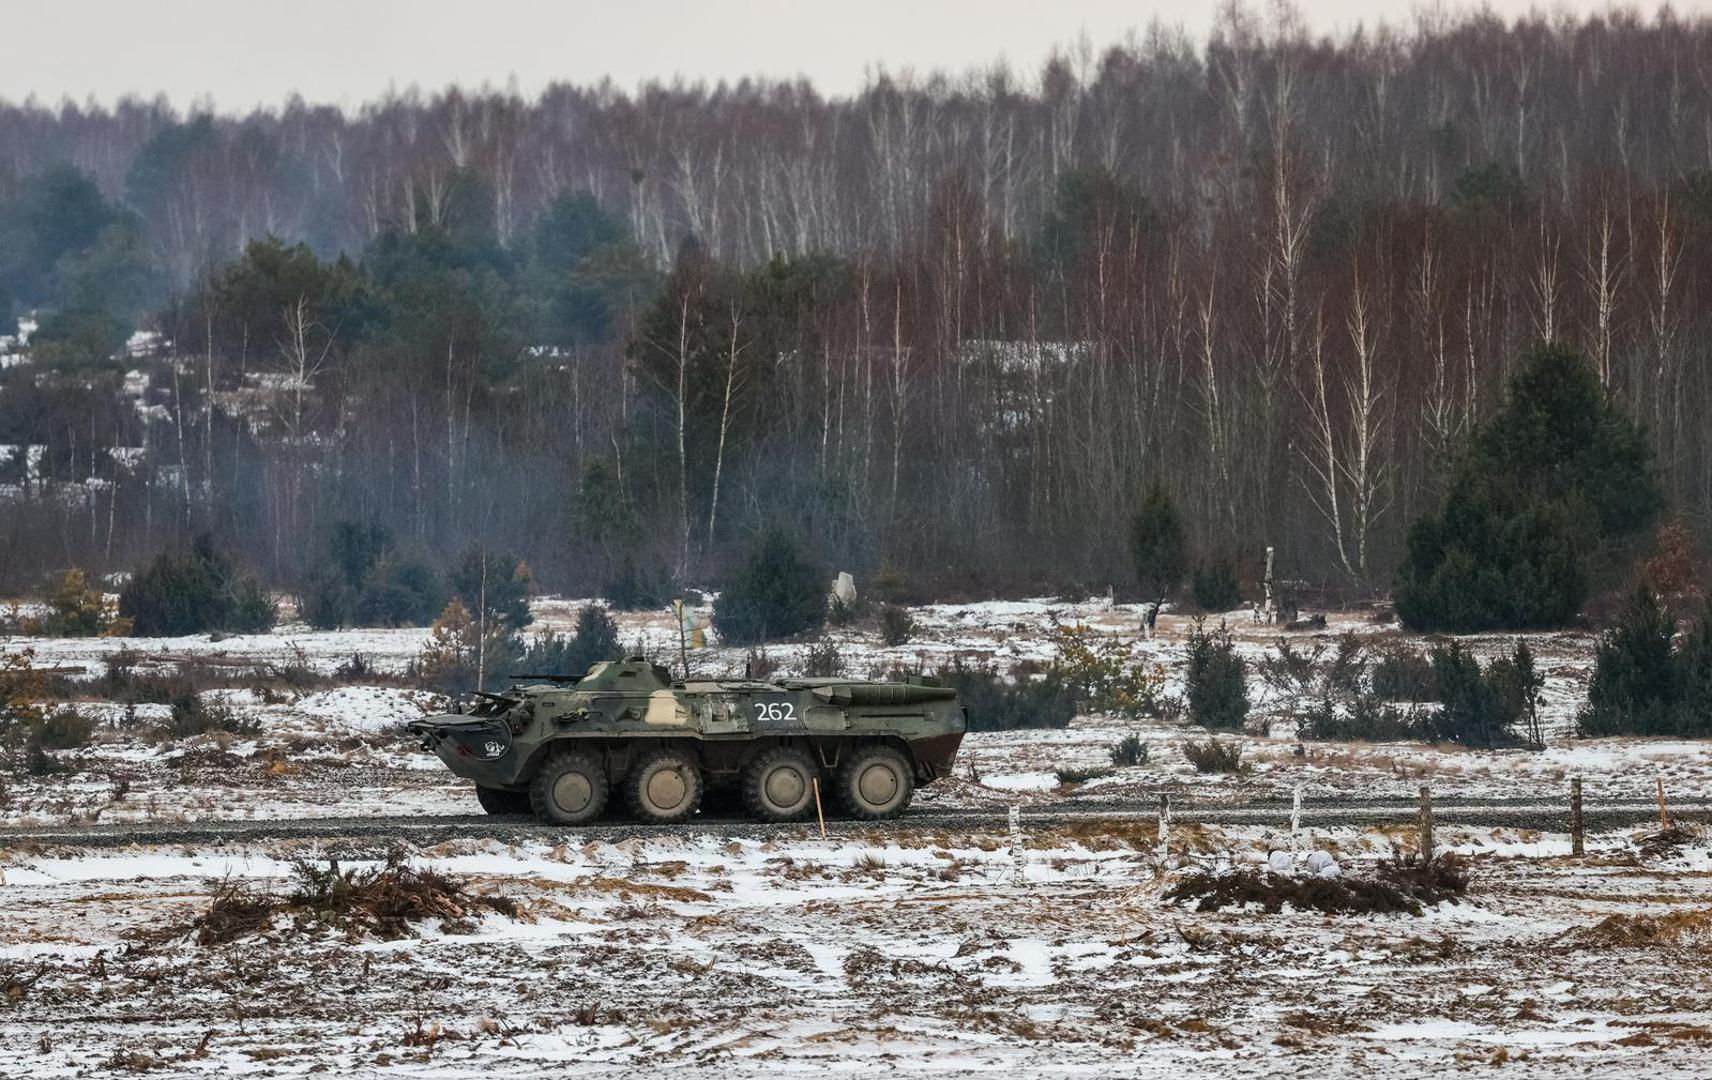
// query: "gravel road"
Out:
[1601,815]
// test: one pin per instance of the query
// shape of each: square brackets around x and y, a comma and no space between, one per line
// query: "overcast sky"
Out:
[248,52]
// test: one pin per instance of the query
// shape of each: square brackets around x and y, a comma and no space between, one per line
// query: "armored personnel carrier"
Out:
[563,748]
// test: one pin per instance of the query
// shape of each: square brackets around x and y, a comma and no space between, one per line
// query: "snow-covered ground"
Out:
[340,751]
[902,948]
[902,951]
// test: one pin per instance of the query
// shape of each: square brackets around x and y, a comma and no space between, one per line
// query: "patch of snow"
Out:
[364,708]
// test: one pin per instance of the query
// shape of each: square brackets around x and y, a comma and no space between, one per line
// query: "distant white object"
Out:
[1321,864]
[145,343]
[1331,870]
[1280,862]
[844,589]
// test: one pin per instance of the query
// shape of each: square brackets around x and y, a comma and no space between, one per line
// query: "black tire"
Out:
[570,789]
[664,788]
[779,785]
[502,803]
[875,783]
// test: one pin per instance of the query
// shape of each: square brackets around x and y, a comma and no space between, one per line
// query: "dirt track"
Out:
[1601,815]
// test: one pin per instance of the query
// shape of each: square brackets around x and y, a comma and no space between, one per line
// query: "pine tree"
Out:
[776,593]
[1641,684]
[458,657]
[1541,503]
[1157,548]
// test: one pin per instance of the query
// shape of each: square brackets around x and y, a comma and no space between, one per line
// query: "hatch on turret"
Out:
[632,674]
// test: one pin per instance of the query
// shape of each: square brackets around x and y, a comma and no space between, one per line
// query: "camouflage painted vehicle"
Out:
[564,747]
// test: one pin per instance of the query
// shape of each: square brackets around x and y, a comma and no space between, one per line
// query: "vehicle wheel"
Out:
[664,788]
[500,802]
[875,783]
[570,789]
[779,785]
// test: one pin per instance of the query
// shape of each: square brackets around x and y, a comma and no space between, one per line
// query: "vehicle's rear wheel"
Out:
[500,802]
[570,789]
[875,783]
[779,784]
[664,788]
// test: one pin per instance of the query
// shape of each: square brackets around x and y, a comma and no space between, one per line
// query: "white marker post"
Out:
[1019,856]
[1296,817]
[1164,827]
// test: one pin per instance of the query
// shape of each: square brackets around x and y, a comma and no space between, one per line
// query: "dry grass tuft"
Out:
[382,902]
[1214,756]
[1644,931]
[15,982]
[1401,885]
[237,911]
[1666,842]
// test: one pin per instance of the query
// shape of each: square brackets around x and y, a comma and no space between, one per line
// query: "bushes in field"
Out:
[632,590]
[192,593]
[595,639]
[897,625]
[24,723]
[77,608]
[361,579]
[889,585]
[1348,697]
[463,654]
[776,593]
[1129,751]
[1214,585]
[823,661]
[1157,549]
[995,703]
[1403,675]
[63,729]
[1495,706]
[1214,756]
[1217,680]
[22,686]
[1104,675]
[1647,682]
[1541,505]
[496,581]
[192,714]
[1343,702]
[1359,718]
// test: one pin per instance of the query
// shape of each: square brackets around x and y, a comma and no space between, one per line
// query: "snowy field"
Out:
[902,948]
[340,751]
[905,952]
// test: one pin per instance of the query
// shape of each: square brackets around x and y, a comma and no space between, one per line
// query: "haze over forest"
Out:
[953,324]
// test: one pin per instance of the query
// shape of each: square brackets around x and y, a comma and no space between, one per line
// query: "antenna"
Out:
[683,645]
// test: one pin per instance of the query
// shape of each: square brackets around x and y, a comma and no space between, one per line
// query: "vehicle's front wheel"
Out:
[570,789]
[875,783]
[664,788]
[779,784]
[500,802]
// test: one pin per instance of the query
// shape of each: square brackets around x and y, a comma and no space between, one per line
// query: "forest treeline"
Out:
[951,328]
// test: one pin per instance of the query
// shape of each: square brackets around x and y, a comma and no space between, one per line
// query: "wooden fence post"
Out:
[1426,822]
[1577,826]
[1664,814]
